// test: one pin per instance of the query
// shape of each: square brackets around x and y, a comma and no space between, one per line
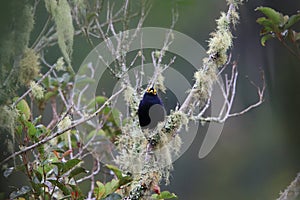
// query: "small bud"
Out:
[156,189]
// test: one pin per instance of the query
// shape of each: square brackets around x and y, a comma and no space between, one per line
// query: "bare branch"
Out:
[229,95]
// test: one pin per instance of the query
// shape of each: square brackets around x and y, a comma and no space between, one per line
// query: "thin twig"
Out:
[60,132]
[37,83]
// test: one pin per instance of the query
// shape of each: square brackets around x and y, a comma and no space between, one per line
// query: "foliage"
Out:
[280,26]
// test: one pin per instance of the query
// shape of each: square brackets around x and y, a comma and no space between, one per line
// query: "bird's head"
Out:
[151,91]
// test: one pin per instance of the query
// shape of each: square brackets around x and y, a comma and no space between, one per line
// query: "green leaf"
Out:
[116,170]
[76,171]
[70,164]
[37,187]
[164,195]
[292,20]
[31,130]
[46,167]
[265,38]
[59,166]
[276,17]
[96,102]
[111,186]
[267,23]
[23,107]
[123,179]
[37,119]
[50,94]
[99,191]
[38,175]
[41,129]
[61,186]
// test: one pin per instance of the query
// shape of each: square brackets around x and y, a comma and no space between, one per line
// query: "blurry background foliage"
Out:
[258,153]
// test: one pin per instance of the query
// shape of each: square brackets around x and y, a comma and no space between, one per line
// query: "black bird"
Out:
[151,109]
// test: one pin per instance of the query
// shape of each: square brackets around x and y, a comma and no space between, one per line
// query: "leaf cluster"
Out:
[277,25]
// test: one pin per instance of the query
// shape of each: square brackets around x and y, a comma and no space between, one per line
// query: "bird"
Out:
[151,110]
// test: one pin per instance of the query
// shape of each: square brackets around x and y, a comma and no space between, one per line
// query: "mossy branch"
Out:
[292,191]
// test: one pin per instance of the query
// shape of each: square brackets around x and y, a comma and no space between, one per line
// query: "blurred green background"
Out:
[257,155]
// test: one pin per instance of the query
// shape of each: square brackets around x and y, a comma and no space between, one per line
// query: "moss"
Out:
[8,119]
[29,66]
[15,34]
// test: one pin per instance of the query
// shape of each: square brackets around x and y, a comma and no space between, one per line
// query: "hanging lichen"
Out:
[61,12]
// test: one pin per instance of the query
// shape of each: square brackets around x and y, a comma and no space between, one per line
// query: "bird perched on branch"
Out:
[151,109]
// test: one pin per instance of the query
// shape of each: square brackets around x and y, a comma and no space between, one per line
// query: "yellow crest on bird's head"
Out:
[151,90]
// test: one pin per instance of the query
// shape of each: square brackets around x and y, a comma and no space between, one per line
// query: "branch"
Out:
[228,101]
[292,191]
[212,60]
[37,83]
[58,133]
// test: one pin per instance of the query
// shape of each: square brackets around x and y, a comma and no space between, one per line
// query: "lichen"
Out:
[29,66]
[175,121]
[160,83]
[37,90]
[64,123]
[60,64]
[8,119]
[131,99]
[131,145]
[128,94]
[61,13]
